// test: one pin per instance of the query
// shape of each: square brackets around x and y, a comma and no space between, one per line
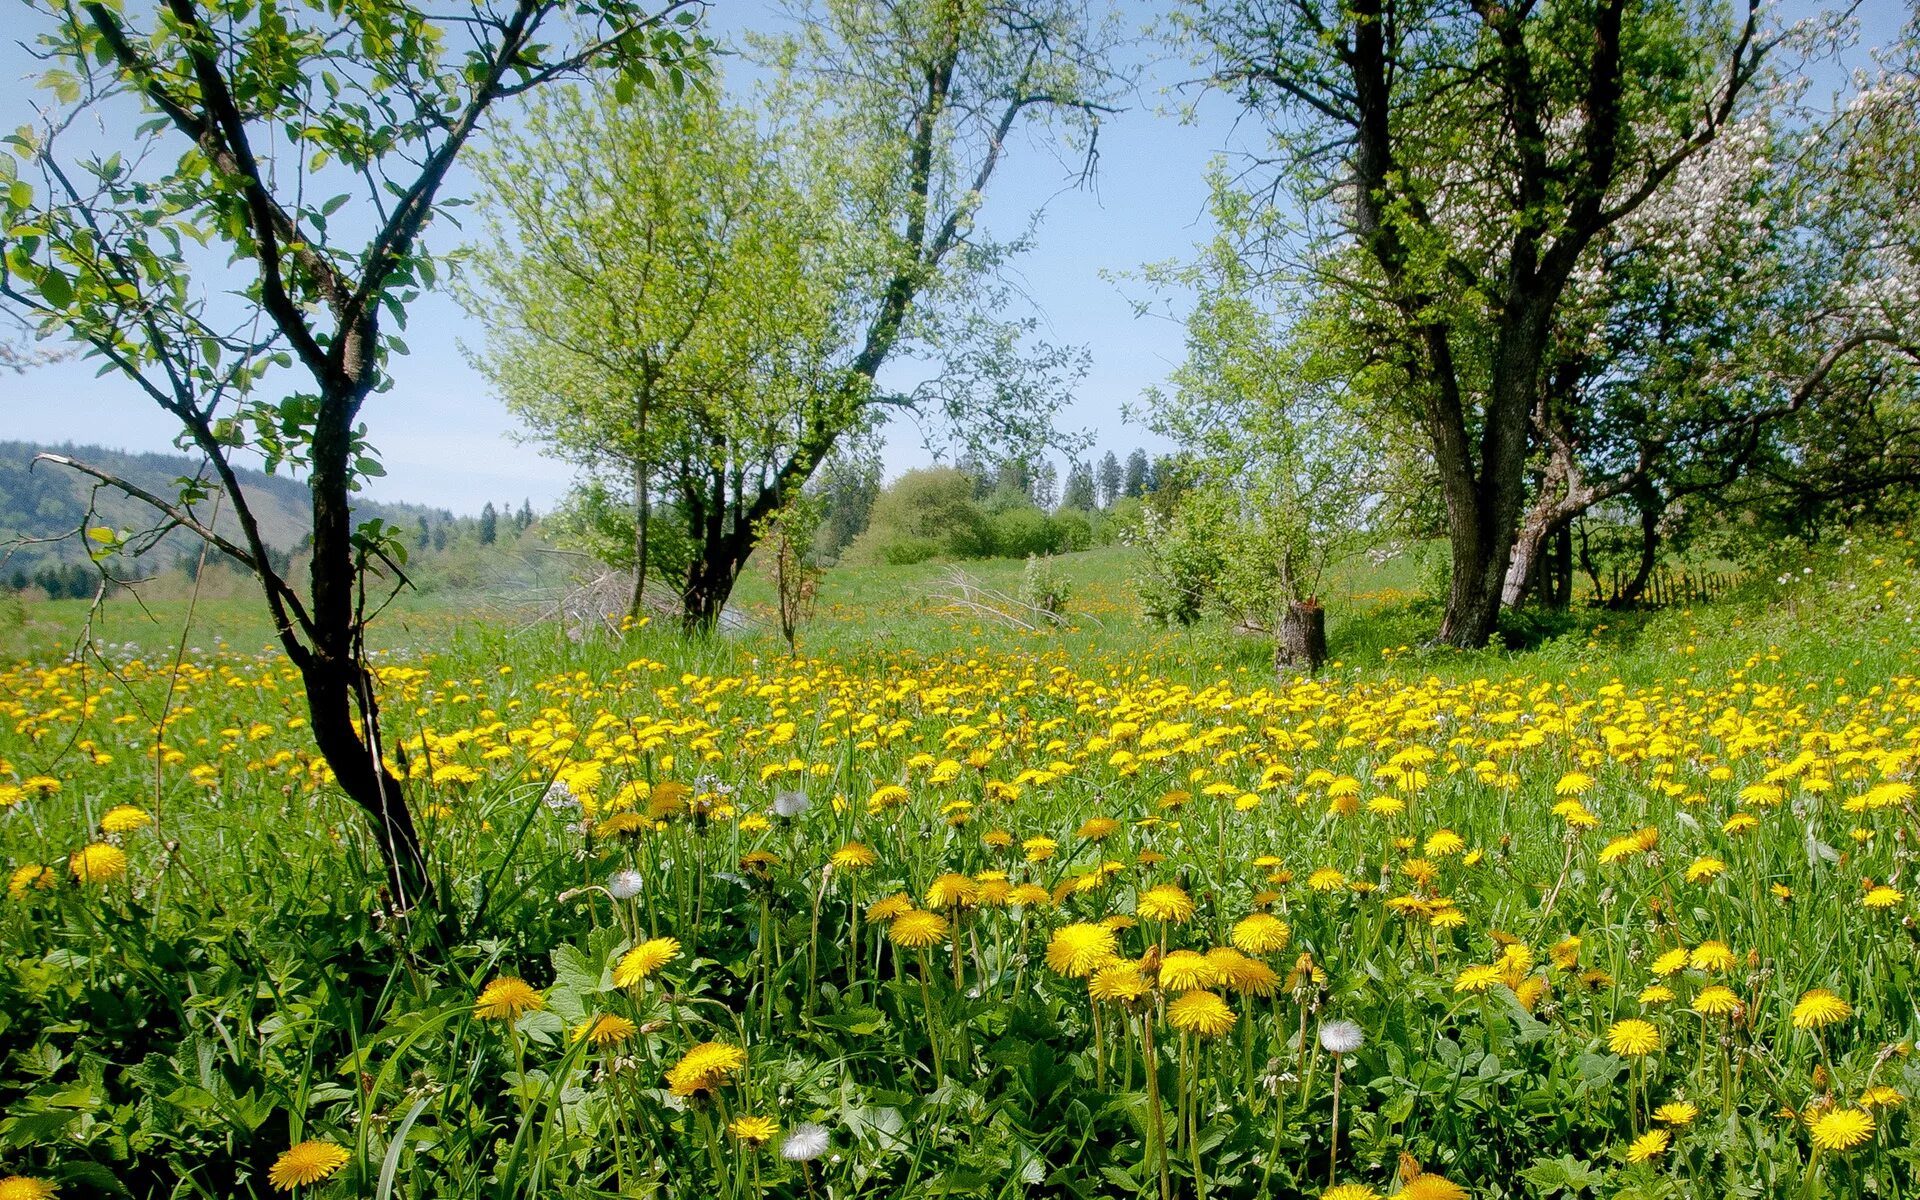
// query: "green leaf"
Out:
[55,288]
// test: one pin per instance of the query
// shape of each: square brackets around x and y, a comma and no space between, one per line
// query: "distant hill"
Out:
[47,501]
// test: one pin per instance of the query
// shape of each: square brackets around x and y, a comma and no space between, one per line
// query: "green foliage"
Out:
[1043,587]
[926,512]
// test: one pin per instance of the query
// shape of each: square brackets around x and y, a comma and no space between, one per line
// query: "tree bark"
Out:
[1301,643]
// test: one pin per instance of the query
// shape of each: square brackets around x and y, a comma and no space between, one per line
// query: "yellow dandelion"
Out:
[125,818]
[98,863]
[704,1068]
[307,1163]
[1186,971]
[1121,983]
[1651,1144]
[1658,993]
[1261,933]
[1711,956]
[1476,979]
[1204,1013]
[854,856]
[505,999]
[1079,949]
[753,1131]
[1705,868]
[1882,896]
[1818,1008]
[1350,1191]
[1165,902]
[1882,1096]
[889,907]
[1573,783]
[607,1029]
[916,930]
[26,1187]
[30,877]
[952,890]
[1717,1001]
[1676,1112]
[1431,1187]
[1671,962]
[1840,1128]
[643,960]
[1633,1038]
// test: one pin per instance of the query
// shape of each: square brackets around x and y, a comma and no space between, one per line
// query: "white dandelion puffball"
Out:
[806,1143]
[1341,1037]
[790,803]
[625,885]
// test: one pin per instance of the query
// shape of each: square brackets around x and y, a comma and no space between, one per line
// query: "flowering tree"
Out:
[246,252]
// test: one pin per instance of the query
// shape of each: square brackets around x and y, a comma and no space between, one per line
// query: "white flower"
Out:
[806,1143]
[1341,1037]
[559,795]
[790,803]
[625,884]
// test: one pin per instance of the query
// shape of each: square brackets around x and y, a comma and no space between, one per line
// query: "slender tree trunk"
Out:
[1302,638]
[1560,574]
[1649,558]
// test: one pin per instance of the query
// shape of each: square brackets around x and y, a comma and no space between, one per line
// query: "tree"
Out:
[253,128]
[1138,470]
[1078,491]
[489,524]
[1479,153]
[890,122]
[1111,481]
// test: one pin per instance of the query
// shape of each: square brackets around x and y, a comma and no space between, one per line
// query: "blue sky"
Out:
[445,440]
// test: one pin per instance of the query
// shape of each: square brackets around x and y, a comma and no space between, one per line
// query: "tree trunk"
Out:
[1302,640]
[1560,568]
[1649,557]
[334,691]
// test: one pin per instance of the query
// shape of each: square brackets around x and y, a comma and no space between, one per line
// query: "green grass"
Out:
[245,985]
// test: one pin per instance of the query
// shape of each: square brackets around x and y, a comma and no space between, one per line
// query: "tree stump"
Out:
[1302,640]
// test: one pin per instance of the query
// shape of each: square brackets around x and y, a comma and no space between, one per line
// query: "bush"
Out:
[930,507]
[1044,587]
[1024,532]
[1074,529]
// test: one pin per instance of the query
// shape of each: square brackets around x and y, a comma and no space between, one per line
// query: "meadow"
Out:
[940,908]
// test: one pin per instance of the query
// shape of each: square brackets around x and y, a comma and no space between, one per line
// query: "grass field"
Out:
[941,907]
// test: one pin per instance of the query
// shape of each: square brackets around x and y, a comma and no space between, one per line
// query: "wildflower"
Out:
[625,884]
[1341,1037]
[789,804]
[952,890]
[125,818]
[1651,1144]
[1185,971]
[1261,933]
[1840,1128]
[1633,1038]
[1200,1012]
[643,960]
[1431,1187]
[25,1187]
[30,876]
[1675,1112]
[607,1029]
[753,1131]
[1039,849]
[1818,1008]
[1029,895]
[1573,783]
[917,930]
[307,1163]
[1476,979]
[1672,961]
[1705,868]
[1882,1096]
[1882,896]
[887,908]
[704,1068]
[806,1143]
[1658,993]
[1711,956]
[854,856]
[505,999]
[1165,902]
[1097,828]
[1121,983]
[1326,879]
[1077,950]
[1350,1191]
[98,863]
[1717,1001]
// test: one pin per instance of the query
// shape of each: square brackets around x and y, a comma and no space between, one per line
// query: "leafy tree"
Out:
[1480,153]
[1078,492]
[252,129]
[1138,471]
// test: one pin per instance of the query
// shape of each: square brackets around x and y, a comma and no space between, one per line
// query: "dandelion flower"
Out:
[753,1131]
[1186,971]
[1633,1038]
[1658,993]
[1820,1007]
[1716,1001]
[854,856]
[705,1067]
[1341,1037]
[307,1163]
[607,1029]
[505,999]
[1882,1096]
[125,818]
[806,1143]
[1077,950]
[1705,867]
[1200,1012]
[916,930]
[25,1187]
[952,890]
[1350,1191]
[1840,1128]
[1651,1144]
[1573,783]
[98,863]
[1672,962]
[625,884]
[1676,1112]
[888,907]
[1431,1187]
[30,877]
[1119,984]
[1711,956]
[1165,902]
[1882,896]
[643,960]
[1476,979]
[1262,933]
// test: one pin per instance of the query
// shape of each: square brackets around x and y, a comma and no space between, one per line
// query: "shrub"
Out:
[1042,586]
